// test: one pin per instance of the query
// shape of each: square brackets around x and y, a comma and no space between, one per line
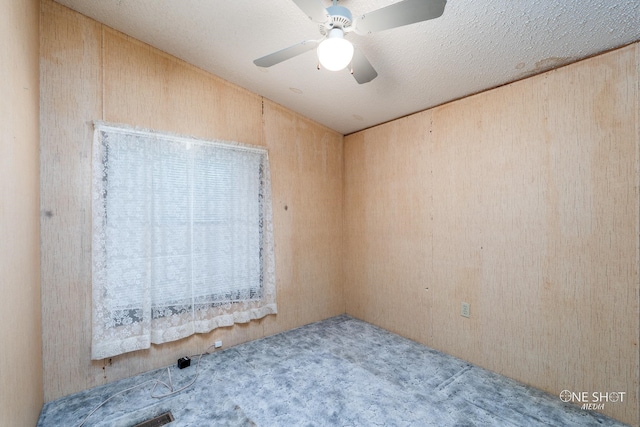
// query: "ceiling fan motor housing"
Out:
[340,18]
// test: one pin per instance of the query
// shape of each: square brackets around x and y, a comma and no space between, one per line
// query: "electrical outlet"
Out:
[217,344]
[465,309]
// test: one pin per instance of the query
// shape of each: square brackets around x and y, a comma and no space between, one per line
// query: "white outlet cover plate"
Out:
[465,309]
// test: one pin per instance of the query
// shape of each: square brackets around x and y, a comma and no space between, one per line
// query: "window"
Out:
[182,237]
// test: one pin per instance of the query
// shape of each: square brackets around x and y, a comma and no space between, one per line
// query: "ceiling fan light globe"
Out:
[335,53]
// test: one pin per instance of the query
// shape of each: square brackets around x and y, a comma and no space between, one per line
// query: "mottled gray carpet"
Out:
[338,372]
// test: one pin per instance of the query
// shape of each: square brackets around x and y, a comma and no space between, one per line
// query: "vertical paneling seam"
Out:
[343,247]
[343,240]
[430,148]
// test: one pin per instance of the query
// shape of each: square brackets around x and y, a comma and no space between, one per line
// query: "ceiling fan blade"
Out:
[314,10]
[361,68]
[286,53]
[398,14]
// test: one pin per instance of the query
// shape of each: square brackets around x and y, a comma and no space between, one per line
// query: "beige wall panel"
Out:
[307,206]
[20,326]
[143,87]
[591,269]
[147,88]
[388,214]
[489,238]
[532,219]
[71,99]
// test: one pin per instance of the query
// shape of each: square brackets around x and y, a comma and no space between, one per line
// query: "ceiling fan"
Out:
[334,51]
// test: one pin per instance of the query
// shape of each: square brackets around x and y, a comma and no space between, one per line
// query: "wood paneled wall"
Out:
[21,394]
[20,319]
[522,201]
[89,72]
[20,322]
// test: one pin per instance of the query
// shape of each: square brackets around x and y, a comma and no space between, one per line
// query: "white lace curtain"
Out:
[182,237]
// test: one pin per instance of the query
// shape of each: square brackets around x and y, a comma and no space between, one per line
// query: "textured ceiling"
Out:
[475,45]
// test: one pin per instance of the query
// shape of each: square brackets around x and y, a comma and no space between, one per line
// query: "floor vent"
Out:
[158,421]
